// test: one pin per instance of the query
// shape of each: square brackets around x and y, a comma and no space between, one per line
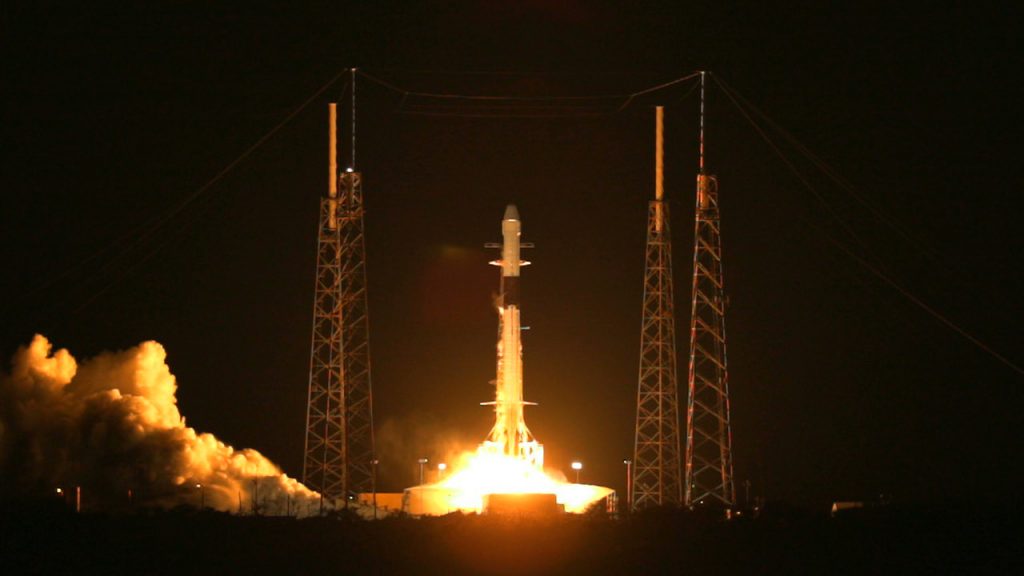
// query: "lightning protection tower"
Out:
[709,475]
[657,478]
[339,452]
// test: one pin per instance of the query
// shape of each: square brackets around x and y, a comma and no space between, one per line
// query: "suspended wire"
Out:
[833,175]
[439,113]
[570,103]
[384,83]
[924,306]
[456,96]
[130,269]
[491,109]
[519,73]
[499,111]
[873,269]
[792,167]
[524,107]
[630,97]
[847,186]
[665,85]
[155,225]
[693,88]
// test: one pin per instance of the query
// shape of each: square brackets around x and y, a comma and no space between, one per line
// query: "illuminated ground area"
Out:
[482,474]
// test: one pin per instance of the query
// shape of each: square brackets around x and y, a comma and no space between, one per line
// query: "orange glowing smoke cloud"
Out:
[112,425]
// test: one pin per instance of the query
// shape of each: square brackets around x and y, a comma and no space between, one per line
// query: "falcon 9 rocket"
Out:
[510,436]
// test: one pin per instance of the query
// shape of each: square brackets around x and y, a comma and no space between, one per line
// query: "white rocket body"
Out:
[510,436]
[511,232]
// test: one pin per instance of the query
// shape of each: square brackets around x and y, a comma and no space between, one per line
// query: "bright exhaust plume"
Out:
[484,473]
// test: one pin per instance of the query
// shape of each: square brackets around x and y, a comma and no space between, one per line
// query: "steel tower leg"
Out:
[709,473]
[324,463]
[355,326]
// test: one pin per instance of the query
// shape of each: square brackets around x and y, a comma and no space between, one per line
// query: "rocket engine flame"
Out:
[111,425]
[484,473]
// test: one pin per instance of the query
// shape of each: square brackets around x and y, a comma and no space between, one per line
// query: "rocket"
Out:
[510,436]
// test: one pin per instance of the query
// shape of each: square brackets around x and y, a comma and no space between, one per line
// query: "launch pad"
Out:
[523,505]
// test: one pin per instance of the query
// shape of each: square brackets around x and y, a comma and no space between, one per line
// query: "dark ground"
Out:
[782,540]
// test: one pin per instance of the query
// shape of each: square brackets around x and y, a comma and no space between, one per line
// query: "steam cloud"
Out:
[111,425]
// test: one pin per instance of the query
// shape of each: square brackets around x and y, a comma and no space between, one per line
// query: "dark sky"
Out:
[841,387]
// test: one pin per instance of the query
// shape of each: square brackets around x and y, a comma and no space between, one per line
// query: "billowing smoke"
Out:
[416,436]
[111,426]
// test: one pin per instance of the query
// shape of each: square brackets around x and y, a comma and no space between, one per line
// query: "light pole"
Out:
[577,466]
[202,496]
[422,462]
[373,485]
[440,470]
[629,484]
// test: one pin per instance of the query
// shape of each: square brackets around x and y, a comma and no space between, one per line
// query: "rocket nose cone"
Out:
[511,213]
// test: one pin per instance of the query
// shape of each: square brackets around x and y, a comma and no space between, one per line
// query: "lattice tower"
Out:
[339,450]
[709,472]
[657,478]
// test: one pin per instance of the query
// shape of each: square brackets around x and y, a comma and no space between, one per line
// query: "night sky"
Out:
[841,387]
